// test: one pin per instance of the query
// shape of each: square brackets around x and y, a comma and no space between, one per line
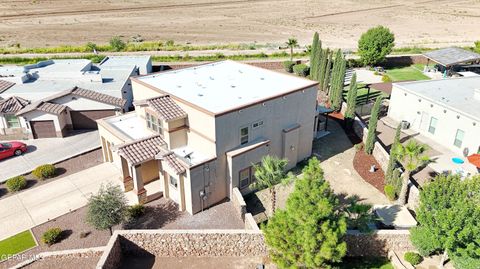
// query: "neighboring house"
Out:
[89,91]
[197,132]
[447,111]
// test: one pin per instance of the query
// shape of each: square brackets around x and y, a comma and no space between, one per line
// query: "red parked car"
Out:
[8,149]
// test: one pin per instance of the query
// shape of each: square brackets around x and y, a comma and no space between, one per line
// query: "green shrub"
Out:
[117,43]
[135,211]
[52,236]
[288,66]
[301,70]
[90,46]
[386,78]
[390,192]
[16,183]
[413,258]
[44,171]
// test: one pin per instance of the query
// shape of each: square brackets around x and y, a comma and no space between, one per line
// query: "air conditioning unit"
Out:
[405,124]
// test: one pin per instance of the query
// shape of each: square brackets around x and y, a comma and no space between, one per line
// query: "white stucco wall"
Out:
[58,121]
[80,103]
[418,111]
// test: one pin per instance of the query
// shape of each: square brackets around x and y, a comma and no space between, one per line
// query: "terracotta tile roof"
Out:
[142,150]
[92,95]
[12,105]
[166,108]
[173,162]
[43,106]
[5,85]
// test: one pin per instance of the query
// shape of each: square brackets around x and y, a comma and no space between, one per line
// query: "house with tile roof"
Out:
[89,92]
[196,132]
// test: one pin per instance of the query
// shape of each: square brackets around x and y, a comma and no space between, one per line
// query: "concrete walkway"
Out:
[48,150]
[38,205]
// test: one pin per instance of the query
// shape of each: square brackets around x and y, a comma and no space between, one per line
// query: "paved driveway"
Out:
[40,204]
[48,150]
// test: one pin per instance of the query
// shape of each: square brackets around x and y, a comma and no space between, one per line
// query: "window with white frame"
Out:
[154,123]
[433,125]
[244,135]
[12,121]
[244,177]
[459,138]
[173,182]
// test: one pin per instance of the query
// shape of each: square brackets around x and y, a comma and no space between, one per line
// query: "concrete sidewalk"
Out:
[48,150]
[38,205]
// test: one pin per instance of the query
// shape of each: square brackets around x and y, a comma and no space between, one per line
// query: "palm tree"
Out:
[412,156]
[292,43]
[269,173]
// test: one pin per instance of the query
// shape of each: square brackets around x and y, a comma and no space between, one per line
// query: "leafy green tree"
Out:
[315,55]
[412,156]
[449,220]
[310,232]
[292,43]
[372,126]
[392,161]
[352,98]
[270,172]
[107,208]
[117,44]
[375,44]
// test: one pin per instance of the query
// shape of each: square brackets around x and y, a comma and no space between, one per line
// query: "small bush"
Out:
[117,43]
[390,192]
[301,70]
[90,46]
[135,211]
[15,184]
[288,66]
[386,78]
[413,258]
[170,43]
[44,171]
[376,73]
[52,236]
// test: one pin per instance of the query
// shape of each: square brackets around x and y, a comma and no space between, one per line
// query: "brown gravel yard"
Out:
[63,169]
[160,213]
[362,163]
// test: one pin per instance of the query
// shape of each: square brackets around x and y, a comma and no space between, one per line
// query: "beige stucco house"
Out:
[196,133]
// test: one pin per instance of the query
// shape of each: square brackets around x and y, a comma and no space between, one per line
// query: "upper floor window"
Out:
[433,125]
[244,135]
[154,123]
[459,138]
[257,124]
[12,121]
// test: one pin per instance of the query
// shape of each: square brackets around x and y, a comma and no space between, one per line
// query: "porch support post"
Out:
[127,179]
[138,188]
[181,204]
[162,175]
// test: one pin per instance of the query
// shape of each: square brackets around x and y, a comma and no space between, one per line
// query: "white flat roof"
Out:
[456,93]
[130,125]
[194,157]
[225,85]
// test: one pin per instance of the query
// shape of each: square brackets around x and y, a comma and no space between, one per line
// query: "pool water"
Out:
[457,160]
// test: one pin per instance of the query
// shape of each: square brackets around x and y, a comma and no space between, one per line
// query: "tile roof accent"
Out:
[173,162]
[92,95]
[166,108]
[12,105]
[142,150]
[45,107]
[5,85]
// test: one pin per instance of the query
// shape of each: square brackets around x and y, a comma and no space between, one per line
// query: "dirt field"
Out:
[37,23]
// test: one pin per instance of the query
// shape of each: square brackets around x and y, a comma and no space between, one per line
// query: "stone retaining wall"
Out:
[250,223]
[378,243]
[268,64]
[63,254]
[381,155]
[239,203]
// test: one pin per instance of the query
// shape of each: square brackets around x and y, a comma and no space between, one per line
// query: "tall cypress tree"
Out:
[314,57]
[372,126]
[352,98]
[334,78]
[322,66]
[392,161]
[327,72]
[340,81]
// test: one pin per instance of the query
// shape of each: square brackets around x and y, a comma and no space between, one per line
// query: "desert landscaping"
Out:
[415,23]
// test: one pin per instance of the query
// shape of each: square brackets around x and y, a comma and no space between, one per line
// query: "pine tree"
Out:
[327,72]
[310,232]
[372,126]
[392,161]
[315,57]
[352,98]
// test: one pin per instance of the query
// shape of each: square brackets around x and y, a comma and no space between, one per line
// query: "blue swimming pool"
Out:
[457,160]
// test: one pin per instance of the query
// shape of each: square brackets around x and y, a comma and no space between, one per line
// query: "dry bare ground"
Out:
[38,23]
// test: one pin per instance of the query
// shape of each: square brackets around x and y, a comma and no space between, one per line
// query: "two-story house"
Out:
[196,133]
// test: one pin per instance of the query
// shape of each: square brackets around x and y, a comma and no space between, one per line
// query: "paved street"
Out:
[48,150]
[38,205]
